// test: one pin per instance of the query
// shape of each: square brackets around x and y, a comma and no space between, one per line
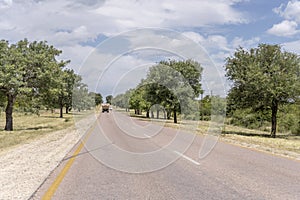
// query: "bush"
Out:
[248,118]
[289,119]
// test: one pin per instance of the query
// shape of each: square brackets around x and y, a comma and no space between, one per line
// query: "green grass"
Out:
[30,126]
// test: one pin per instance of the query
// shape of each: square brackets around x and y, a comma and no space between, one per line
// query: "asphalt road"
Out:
[125,158]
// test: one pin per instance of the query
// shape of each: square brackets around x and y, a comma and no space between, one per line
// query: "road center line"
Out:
[187,158]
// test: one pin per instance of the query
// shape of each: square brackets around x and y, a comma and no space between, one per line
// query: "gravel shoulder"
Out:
[24,167]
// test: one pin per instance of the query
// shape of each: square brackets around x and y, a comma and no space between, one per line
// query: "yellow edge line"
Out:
[50,192]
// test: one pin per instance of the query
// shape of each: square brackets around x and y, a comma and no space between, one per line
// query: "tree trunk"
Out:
[168,114]
[67,110]
[61,112]
[147,114]
[157,114]
[274,109]
[175,116]
[152,114]
[8,112]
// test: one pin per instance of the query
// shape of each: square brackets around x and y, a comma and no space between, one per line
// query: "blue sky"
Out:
[82,28]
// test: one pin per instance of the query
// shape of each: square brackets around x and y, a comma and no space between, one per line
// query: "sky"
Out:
[113,43]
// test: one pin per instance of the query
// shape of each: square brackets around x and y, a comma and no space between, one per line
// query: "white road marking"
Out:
[187,158]
[148,136]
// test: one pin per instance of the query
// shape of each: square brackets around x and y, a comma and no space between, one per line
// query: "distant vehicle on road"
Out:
[105,108]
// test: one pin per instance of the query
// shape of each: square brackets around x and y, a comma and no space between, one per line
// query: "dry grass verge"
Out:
[284,144]
[30,126]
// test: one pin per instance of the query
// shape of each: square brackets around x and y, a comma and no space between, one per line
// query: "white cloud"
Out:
[69,24]
[77,53]
[285,28]
[42,19]
[219,47]
[292,46]
[291,11]
[196,37]
[291,14]
[5,4]
[78,34]
[160,45]
[170,13]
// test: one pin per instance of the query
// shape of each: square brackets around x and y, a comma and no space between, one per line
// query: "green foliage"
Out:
[67,87]
[138,101]
[82,99]
[212,105]
[289,118]
[109,99]
[98,99]
[122,100]
[190,71]
[263,78]
[2,100]
[249,119]
[173,85]
[32,78]
[205,107]
[29,69]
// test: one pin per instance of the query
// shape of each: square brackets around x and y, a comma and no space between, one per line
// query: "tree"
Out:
[26,69]
[122,100]
[137,100]
[263,79]
[82,99]
[159,94]
[205,108]
[98,99]
[119,100]
[108,99]
[174,84]
[2,101]
[69,81]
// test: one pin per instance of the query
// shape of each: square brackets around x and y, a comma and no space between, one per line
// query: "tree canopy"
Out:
[171,84]
[27,68]
[263,79]
[31,74]
[109,99]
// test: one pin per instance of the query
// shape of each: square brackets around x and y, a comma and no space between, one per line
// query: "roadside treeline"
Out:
[170,88]
[31,79]
[265,89]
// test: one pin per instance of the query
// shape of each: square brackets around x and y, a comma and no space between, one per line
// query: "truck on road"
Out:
[105,107]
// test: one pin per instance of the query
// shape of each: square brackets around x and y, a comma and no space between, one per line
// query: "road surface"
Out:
[125,158]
